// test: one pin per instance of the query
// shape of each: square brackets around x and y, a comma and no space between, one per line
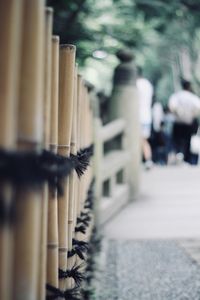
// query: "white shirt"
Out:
[145,92]
[185,106]
[158,116]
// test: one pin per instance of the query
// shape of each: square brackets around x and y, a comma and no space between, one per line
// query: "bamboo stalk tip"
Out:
[56,38]
[49,10]
[68,47]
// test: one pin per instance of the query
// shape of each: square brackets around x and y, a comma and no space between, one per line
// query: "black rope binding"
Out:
[7,212]
[34,168]
[71,294]
[73,273]
[85,217]
[82,159]
[81,228]
[26,169]
[80,248]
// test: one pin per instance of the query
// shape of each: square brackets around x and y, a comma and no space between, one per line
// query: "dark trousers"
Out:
[181,139]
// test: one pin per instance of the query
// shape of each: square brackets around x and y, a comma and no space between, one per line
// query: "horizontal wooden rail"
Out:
[112,189]
[112,129]
[114,162]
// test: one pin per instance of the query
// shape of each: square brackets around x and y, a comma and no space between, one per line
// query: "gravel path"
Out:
[148,270]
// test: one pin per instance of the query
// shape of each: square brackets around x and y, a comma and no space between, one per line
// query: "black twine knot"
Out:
[71,294]
[73,273]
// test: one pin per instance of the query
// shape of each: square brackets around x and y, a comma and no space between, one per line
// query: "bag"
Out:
[195,143]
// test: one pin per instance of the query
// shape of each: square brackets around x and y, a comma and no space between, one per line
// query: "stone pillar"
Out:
[124,104]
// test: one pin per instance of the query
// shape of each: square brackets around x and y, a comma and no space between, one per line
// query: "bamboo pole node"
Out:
[63,249]
[26,143]
[53,147]
[67,147]
[52,246]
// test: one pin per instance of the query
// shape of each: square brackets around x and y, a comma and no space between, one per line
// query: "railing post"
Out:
[124,104]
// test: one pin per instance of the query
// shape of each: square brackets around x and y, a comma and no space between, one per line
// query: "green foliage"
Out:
[158,31]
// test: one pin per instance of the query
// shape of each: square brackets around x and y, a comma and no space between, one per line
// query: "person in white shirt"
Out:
[145,93]
[185,106]
[157,116]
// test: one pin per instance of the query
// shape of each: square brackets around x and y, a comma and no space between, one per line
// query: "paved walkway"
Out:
[169,206]
[152,248]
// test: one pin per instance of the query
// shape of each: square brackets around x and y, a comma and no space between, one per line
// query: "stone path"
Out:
[148,270]
[152,248]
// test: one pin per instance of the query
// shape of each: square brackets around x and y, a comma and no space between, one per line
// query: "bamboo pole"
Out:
[47,79]
[46,133]
[10,37]
[79,134]
[76,130]
[66,90]
[84,118]
[30,116]
[87,142]
[72,180]
[79,98]
[89,139]
[82,111]
[78,146]
[52,245]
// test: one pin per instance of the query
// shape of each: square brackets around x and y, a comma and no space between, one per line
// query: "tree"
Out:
[164,35]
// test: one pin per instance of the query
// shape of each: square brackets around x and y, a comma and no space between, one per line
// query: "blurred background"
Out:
[164,36]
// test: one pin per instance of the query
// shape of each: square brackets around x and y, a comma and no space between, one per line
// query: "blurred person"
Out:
[145,92]
[160,141]
[157,116]
[194,158]
[157,119]
[169,120]
[185,106]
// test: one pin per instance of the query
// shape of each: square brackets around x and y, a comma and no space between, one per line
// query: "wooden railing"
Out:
[112,189]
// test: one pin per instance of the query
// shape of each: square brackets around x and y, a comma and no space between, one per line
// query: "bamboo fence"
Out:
[10,36]
[45,139]
[52,245]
